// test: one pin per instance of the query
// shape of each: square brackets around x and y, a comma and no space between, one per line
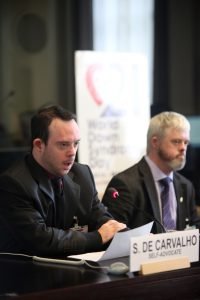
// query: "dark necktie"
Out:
[168,221]
[59,201]
[58,186]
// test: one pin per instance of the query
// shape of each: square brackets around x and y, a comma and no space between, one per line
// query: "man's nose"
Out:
[72,148]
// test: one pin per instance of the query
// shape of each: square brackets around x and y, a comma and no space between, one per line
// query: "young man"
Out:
[140,187]
[38,219]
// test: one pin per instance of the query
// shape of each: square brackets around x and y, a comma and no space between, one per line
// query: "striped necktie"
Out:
[168,221]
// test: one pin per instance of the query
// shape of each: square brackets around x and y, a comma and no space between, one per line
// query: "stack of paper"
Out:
[119,247]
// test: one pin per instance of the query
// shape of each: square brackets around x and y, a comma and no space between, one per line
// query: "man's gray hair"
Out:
[162,121]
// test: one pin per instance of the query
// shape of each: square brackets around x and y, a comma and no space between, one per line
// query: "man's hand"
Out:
[108,230]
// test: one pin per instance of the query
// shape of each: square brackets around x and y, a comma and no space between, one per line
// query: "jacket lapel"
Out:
[72,195]
[151,190]
[71,199]
[40,176]
[180,191]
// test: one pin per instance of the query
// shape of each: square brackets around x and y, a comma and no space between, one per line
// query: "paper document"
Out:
[119,247]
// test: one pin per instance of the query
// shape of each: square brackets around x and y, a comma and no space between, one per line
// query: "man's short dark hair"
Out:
[42,119]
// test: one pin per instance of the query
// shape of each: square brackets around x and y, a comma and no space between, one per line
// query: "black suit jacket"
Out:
[32,221]
[137,203]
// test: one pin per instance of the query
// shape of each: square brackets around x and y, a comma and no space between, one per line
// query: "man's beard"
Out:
[175,164]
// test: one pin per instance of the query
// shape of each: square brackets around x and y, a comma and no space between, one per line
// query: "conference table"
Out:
[22,278]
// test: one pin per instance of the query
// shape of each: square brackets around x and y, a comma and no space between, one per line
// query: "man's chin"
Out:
[177,166]
[67,169]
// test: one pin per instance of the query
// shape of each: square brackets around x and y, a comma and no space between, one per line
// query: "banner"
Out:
[113,110]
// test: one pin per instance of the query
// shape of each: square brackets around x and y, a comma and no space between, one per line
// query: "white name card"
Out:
[164,246]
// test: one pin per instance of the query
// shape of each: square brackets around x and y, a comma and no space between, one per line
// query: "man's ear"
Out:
[155,142]
[38,143]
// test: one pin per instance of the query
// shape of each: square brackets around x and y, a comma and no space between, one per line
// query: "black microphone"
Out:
[114,194]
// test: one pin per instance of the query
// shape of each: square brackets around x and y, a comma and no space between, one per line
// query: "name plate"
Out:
[164,246]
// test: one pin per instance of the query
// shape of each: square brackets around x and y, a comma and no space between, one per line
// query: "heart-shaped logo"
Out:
[103,82]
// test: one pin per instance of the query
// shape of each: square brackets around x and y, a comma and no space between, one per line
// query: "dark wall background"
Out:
[45,44]
[177,56]
[31,47]
[38,40]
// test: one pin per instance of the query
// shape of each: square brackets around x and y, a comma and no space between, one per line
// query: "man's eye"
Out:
[179,142]
[76,144]
[62,145]
[176,142]
[66,145]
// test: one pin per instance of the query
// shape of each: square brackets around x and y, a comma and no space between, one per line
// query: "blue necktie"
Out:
[168,221]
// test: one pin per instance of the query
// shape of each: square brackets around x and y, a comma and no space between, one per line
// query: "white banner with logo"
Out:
[113,111]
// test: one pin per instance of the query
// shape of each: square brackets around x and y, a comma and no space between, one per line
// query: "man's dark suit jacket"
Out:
[138,204]
[29,220]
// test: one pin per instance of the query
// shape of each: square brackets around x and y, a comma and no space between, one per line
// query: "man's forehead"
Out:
[177,132]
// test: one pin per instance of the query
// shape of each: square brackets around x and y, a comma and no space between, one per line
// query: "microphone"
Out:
[115,194]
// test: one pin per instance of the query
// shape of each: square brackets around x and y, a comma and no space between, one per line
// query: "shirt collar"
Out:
[156,172]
